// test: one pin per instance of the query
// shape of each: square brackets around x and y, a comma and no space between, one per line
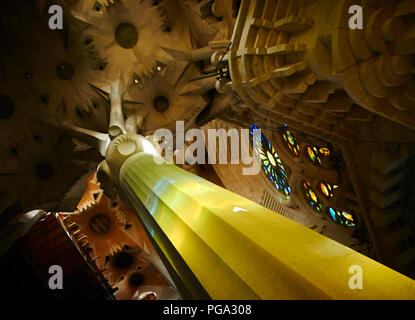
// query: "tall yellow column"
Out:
[220,245]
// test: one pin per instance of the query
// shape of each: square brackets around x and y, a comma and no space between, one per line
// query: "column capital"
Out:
[119,150]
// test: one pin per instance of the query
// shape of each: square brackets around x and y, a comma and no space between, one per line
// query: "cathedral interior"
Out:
[80,106]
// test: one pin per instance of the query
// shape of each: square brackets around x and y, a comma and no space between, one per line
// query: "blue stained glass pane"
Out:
[333,214]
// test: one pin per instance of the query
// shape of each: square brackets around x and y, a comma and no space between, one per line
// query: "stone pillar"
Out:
[219,245]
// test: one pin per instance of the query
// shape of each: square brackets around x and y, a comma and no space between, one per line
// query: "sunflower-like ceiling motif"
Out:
[103,226]
[111,234]
[133,32]
[162,100]
[125,261]
[38,167]
[59,71]
[146,279]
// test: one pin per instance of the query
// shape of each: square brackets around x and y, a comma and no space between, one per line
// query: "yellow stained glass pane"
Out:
[271,158]
[312,195]
[324,189]
[325,152]
[311,153]
[348,216]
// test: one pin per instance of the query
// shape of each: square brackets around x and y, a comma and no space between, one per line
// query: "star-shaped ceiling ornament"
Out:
[103,228]
[131,32]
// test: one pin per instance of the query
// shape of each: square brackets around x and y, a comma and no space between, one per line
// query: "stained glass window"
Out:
[325,152]
[313,154]
[327,189]
[271,162]
[290,140]
[342,217]
[311,196]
